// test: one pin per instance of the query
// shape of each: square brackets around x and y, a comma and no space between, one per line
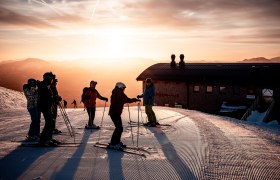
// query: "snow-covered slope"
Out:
[10,99]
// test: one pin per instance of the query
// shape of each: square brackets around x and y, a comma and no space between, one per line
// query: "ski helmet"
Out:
[48,75]
[93,83]
[31,82]
[120,85]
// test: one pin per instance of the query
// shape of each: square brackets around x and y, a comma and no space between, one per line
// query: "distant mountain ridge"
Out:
[73,76]
[262,60]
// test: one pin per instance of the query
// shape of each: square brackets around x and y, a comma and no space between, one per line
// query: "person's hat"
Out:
[32,82]
[93,82]
[148,80]
[120,85]
[48,75]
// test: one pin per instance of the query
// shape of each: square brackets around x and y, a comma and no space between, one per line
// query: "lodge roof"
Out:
[255,74]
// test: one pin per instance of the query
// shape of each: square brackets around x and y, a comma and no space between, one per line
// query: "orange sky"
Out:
[219,30]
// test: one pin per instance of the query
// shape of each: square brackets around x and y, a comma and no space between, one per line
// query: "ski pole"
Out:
[130,124]
[101,122]
[67,121]
[142,115]
[138,125]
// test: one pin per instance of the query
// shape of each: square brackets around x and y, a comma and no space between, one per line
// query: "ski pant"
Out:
[34,129]
[116,137]
[48,128]
[54,115]
[150,113]
[91,115]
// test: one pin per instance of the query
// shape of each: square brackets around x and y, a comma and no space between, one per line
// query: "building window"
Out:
[223,90]
[267,92]
[236,90]
[209,89]
[196,88]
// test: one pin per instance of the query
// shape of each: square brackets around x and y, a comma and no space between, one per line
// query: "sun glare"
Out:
[115,43]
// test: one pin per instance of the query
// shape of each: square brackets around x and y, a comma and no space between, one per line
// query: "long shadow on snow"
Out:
[169,151]
[70,167]
[18,161]
[115,164]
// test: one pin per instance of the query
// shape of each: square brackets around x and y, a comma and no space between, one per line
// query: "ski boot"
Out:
[92,127]
[56,131]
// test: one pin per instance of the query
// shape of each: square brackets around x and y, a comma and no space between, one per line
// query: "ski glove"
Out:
[106,99]
[139,96]
[136,100]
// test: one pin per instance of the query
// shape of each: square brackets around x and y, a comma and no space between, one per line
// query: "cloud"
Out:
[9,17]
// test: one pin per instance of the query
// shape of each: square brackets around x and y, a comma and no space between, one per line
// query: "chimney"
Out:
[182,62]
[173,63]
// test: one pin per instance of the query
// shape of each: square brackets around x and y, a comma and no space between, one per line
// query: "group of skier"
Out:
[42,97]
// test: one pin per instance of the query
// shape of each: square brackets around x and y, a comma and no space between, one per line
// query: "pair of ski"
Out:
[133,123]
[140,151]
[25,143]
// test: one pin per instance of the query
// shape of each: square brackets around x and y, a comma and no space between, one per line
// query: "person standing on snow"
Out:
[56,102]
[118,99]
[89,99]
[149,97]
[31,94]
[45,102]
[74,103]
[64,103]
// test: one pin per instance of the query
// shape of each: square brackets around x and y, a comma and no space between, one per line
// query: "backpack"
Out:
[84,96]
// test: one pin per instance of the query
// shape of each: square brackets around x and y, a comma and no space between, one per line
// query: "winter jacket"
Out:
[31,95]
[149,95]
[118,99]
[89,97]
[56,97]
[45,96]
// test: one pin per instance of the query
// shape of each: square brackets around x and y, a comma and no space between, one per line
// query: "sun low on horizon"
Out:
[115,30]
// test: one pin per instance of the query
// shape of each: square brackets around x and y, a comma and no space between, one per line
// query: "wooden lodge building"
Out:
[216,87]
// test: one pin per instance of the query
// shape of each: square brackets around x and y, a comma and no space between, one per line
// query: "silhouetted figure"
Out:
[173,63]
[45,102]
[118,99]
[89,99]
[55,104]
[74,103]
[149,98]
[31,93]
[65,103]
[182,62]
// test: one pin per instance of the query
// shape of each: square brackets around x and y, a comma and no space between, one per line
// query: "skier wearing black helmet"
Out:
[45,102]
[31,94]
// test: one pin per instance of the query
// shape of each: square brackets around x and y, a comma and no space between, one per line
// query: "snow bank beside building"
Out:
[10,99]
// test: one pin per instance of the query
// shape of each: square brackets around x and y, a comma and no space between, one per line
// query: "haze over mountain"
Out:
[73,76]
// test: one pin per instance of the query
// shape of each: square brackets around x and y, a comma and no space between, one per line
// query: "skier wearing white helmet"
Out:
[118,99]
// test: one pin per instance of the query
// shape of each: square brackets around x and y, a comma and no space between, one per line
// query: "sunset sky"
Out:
[222,30]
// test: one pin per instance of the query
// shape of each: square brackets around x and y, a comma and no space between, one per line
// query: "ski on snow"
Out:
[36,144]
[128,147]
[125,150]
[133,123]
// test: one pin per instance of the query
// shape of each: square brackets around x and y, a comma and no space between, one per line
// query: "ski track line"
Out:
[234,157]
[194,147]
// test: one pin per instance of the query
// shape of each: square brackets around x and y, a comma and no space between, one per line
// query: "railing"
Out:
[269,110]
[250,109]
